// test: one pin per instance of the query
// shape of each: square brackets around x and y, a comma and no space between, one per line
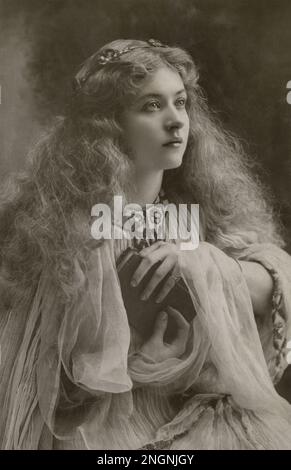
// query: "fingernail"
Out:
[158,300]
[133,283]
[144,297]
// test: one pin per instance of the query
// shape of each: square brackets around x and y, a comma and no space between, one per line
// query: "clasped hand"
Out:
[155,348]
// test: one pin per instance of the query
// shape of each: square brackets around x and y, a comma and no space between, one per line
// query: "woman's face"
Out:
[156,126]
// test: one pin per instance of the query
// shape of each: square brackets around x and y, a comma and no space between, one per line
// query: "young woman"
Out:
[74,374]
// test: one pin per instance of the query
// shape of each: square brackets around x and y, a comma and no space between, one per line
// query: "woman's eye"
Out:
[151,106]
[181,102]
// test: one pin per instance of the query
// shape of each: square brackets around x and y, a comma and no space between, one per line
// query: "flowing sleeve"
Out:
[275,329]
[62,359]
[83,355]
[222,301]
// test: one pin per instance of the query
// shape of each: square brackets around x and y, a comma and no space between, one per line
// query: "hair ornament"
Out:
[109,56]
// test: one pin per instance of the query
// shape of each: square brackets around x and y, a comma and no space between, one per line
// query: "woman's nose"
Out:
[173,120]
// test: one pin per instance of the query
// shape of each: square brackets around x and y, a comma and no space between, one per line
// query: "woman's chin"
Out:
[173,163]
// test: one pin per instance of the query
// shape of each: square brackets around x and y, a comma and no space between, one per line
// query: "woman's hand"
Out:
[165,252]
[155,348]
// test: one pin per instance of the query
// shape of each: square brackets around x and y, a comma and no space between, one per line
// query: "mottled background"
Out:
[242,47]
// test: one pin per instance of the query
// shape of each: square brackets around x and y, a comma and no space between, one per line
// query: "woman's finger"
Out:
[160,327]
[149,249]
[160,273]
[183,328]
[148,261]
[166,289]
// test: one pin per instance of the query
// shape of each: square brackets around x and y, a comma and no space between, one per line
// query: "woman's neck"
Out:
[148,186]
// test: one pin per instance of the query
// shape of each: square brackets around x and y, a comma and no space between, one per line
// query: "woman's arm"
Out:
[258,279]
[260,285]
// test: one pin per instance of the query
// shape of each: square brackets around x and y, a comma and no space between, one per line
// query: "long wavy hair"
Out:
[82,160]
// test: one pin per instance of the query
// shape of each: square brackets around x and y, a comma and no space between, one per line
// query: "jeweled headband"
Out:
[108,56]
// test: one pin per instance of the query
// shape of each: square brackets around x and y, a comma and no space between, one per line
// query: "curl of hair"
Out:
[45,212]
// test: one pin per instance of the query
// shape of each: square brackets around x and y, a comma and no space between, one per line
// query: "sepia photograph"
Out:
[145,227]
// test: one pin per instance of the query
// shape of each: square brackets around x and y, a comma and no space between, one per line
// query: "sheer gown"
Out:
[72,375]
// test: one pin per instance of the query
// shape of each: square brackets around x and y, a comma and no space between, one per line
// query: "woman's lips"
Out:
[173,143]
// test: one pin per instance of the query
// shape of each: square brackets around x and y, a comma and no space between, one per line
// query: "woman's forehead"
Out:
[161,81]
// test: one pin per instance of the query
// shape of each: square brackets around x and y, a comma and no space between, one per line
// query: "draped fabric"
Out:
[72,376]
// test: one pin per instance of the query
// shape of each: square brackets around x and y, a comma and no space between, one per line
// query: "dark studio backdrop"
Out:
[242,48]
